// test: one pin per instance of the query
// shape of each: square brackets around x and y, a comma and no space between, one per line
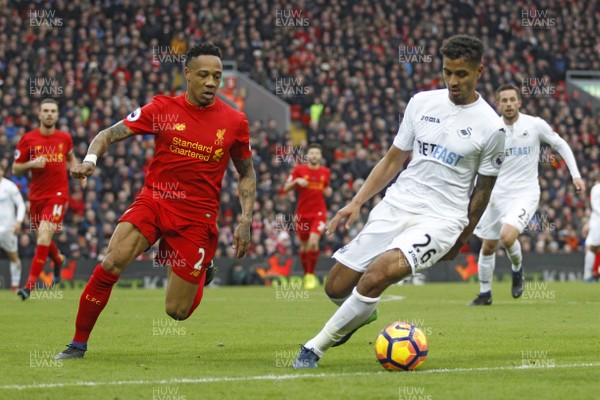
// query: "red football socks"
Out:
[312,256]
[93,300]
[303,261]
[54,254]
[37,264]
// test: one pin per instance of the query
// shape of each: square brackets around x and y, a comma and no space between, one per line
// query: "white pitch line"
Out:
[285,377]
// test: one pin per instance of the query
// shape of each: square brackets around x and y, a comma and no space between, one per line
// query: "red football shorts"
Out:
[50,209]
[188,247]
[308,224]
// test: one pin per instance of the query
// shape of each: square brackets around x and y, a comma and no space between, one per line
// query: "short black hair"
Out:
[508,86]
[315,146]
[53,101]
[463,46]
[202,49]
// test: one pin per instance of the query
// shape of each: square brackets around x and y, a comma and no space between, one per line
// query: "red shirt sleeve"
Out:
[143,120]
[327,177]
[22,152]
[241,150]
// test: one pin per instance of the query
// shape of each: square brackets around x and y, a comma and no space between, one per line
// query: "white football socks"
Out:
[515,255]
[355,310]
[588,265]
[15,273]
[485,267]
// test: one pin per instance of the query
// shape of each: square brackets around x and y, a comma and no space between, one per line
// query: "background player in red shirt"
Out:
[311,181]
[48,153]
[195,135]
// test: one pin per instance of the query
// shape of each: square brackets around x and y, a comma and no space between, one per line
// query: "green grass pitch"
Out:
[240,344]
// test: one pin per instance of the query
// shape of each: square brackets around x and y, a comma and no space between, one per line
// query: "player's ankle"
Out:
[79,345]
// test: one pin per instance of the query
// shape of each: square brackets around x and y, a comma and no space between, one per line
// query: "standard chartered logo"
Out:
[195,150]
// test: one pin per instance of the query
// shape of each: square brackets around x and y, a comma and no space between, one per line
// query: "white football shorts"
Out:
[423,239]
[8,241]
[515,210]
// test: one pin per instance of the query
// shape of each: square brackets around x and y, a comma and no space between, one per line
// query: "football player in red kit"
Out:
[47,153]
[195,135]
[311,181]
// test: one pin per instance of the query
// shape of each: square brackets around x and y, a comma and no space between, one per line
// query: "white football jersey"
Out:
[450,144]
[522,155]
[10,197]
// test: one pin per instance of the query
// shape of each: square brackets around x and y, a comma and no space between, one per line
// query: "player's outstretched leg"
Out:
[125,245]
[387,269]
[340,282]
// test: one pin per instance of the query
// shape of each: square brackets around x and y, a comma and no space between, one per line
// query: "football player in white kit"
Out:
[517,191]
[592,241]
[12,212]
[433,207]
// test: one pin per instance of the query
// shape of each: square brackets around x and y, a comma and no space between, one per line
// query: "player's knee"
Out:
[507,240]
[370,283]
[113,263]
[177,313]
[489,247]
[335,291]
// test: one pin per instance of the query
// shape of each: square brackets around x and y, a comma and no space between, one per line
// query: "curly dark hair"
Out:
[202,49]
[463,46]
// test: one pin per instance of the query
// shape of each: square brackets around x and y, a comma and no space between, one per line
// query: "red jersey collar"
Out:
[191,106]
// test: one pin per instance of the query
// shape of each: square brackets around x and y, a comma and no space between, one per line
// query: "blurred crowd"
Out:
[356,62]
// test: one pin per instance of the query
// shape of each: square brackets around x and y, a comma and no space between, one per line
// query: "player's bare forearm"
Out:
[479,201]
[247,186]
[247,193]
[477,205]
[71,160]
[382,174]
[289,185]
[108,136]
[20,169]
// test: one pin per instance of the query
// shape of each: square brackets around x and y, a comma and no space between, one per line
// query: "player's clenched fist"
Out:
[39,162]
[82,170]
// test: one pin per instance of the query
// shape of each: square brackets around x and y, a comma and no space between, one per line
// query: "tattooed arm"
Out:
[479,201]
[247,192]
[99,146]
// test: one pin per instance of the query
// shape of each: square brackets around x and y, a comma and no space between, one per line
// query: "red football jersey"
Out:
[193,146]
[310,198]
[53,179]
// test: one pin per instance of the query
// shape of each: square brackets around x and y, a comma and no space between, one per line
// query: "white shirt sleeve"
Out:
[492,155]
[405,137]
[547,135]
[18,200]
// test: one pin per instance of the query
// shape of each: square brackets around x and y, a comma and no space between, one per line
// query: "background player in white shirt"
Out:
[431,209]
[517,191]
[12,212]
[592,241]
